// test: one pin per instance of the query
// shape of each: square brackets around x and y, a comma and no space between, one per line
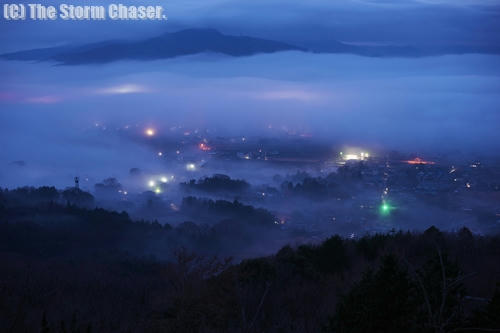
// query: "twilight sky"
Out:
[312,23]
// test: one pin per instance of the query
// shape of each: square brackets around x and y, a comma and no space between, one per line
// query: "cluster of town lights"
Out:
[156,185]
[354,156]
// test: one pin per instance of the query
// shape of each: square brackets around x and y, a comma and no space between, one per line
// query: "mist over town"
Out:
[252,167]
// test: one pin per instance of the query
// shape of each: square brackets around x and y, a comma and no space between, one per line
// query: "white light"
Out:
[164,179]
[191,166]
[160,153]
[123,89]
[348,157]
[150,132]
[151,183]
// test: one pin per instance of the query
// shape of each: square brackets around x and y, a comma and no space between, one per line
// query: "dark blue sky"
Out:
[309,23]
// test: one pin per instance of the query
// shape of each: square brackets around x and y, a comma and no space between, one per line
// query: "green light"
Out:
[385,208]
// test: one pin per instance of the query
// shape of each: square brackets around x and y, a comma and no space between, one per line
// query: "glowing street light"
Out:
[203,146]
[151,183]
[354,155]
[164,179]
[385,208]
[150,132]
[191,167]
[349,157]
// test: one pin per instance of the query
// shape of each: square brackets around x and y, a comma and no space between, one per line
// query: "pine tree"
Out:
[45,324]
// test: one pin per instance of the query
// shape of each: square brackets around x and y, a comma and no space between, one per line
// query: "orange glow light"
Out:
[204,147]
[418,160]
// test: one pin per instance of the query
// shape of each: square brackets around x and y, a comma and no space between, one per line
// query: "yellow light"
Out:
[157,190]
[150,132]
[348,157]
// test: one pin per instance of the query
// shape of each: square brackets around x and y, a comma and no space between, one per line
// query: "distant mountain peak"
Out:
[206,40]
[206,31]
[169,45]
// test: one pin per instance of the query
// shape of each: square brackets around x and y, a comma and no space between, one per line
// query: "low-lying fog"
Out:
[58,122]
[49,113]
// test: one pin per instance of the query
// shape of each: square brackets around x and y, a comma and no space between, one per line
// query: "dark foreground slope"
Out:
[65,268]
